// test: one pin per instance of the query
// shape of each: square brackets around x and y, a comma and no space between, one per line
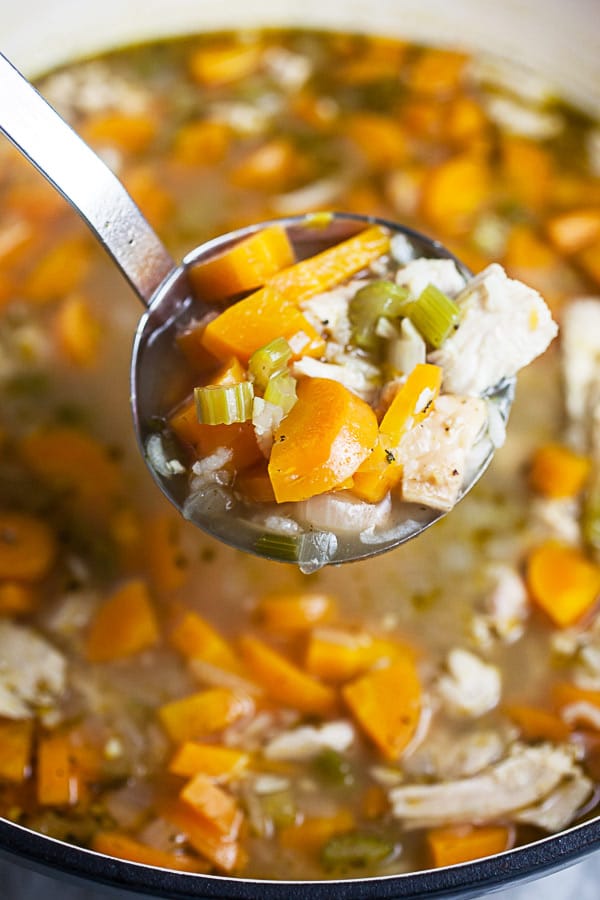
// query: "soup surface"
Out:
[168,700]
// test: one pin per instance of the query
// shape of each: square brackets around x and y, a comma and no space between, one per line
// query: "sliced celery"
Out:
[278,546]
[268,360]
[281,390]
[380,299]
[434,315]
[219,404]
[355,849]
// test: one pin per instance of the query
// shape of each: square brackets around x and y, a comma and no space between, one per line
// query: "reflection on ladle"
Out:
[163,287]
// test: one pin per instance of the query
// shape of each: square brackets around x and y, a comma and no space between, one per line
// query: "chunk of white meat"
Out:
[308,741]
[32,672]
[580,347]
[328,311]
[442,273]
[522,119]
[503,326]
[557,519]
[448,755]
[525,777]
[506,607]
[434,453]
[580,647]
[316,195]
[290,70]
[470,687]
[559,808]
[266,418]
[359,376]
[342,511]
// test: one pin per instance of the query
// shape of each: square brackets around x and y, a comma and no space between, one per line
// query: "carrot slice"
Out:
[310,835]
[336,655]
[203,713]
[244,267]
[556,471]
[386,702]
[124,625]
[212,803]
[461,843]
[271,312]
[285,682]
[115,843]
[220,763]
[382,470]
[59,271]
[454,192]
[194,637]
[321,442]
[164,556]
[574,230]
[27,547]
[131,133]
[562,582]
[222,851]
[15,750]
[535,723]
[78,331]
[17,599]
[295,611]
[239,437]
[59,782]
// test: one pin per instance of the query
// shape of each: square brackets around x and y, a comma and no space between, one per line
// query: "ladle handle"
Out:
[52,146]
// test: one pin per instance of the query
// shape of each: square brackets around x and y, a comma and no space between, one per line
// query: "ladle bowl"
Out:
[158,371]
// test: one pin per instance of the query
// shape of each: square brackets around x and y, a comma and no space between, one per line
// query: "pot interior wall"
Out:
[555,38]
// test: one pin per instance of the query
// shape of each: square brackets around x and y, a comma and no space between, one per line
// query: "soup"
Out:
[167,700]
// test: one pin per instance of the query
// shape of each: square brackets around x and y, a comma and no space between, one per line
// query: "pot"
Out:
[556,39]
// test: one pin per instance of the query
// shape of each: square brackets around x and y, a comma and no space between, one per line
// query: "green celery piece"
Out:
[269,360]
[379,299]
[281,390]
[434,315]
[219,404]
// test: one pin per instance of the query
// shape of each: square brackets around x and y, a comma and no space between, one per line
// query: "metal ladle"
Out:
[97,195]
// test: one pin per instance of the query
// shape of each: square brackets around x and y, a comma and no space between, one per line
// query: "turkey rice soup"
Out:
[167,700]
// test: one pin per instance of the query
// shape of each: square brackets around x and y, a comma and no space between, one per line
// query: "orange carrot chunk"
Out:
[213,804]
[535,723]
[124,625]
[574,230]
[194,637]
[386,703]
[562,582]
[59,781]
[167,565]
[27,547]
[15,750]
[321,442]
[239,437]
[121,846]
[294,611]
[556,471]
[310,834]
[461,843]
[222,851]
[203,713]
[285,682]
[220,763]
[244,267]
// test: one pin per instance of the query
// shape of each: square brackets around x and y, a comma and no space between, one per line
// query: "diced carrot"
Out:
[562,582]
[465,121]
[454,192]
[322,441]
[574,230]
[295,610]
[254,484]
[59,782]
[589,261]
[557,471]
[231,372]
[526,250]
[125,624]
[310,834]
[437,72]
[380,139]
[15,750]
[257,320]
[194,637]
[202,143]
[59,271]
[528,169]
[271,166]
[269,313]
[130,132]
[219,763]
[149,192]
[381,470]
[386,702]
[535,723]
[16,598]
[78,331]
[165,559]
[244,267]
[222,65]
[336,655]
[223,852]
[285,682]
[216,806]
[461,843]
[75,463]
[203,713]
[27,547]
[381,58]
[239,437]
[122,846]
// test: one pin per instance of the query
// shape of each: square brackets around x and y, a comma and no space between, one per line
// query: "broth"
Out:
[137,610]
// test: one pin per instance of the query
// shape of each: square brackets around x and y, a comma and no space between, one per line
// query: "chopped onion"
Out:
[341,512]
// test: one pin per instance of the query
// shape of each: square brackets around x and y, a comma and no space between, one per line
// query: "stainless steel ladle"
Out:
[97,195]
